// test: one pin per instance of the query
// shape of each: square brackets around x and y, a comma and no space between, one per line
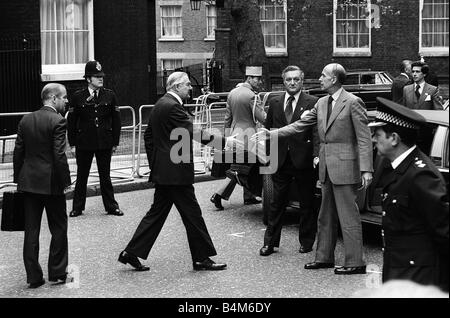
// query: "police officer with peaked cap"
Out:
[94,129]
[415,217]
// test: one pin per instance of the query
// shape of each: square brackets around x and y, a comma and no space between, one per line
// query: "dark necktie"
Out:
[417,92]
[288,110]
[330,107]
[95,95]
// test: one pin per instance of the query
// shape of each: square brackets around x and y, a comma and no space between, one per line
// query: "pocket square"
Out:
[427,98]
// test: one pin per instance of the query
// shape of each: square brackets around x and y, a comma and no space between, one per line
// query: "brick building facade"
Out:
[310,41]
[123,41]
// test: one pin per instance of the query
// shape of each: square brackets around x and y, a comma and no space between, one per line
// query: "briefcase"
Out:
[13,211]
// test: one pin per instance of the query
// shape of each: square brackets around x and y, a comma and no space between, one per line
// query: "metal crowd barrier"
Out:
[201,153]
[122,161]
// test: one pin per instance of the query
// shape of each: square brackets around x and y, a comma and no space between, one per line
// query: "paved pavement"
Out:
[96,239]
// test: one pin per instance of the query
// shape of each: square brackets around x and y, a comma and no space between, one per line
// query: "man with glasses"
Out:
[94,129]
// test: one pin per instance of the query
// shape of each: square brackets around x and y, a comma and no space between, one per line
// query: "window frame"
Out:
[355,51]
[168,37]
[67,72]
[432,50]
[270,51]
[208,36]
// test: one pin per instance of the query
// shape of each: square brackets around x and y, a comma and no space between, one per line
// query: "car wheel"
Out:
[267,195]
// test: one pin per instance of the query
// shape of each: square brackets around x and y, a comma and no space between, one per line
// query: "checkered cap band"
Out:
[392,119]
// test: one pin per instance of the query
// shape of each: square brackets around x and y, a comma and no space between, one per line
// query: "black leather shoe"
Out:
[217,200]
[64,279]
[36,284]
[304,249]
[75,213]
[127,258]
[266,250]
[209,265]
[317,265]
[117,212]
[350,270]
[252,201]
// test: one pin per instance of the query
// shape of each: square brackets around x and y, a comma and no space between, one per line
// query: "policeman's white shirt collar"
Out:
[402,157]
[335,96]
[91,91]
[176,96]
[294,102]
[51,108]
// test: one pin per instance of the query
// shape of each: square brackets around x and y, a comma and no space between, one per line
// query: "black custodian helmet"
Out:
[93,68]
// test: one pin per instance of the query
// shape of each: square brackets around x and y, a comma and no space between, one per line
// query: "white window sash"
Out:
[270,50]
[175,20]
[209,17]
[71,71]
[430,50]
[352,50]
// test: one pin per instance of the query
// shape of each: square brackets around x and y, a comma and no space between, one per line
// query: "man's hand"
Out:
[231,142]
[262,135]
[366,179]
[315,162]
[114,148]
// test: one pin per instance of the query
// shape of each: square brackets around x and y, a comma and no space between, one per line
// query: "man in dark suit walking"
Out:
[345,162]
[42,173]
[403,79]
[415,201]
[295,162]
[172,171]
[94,129]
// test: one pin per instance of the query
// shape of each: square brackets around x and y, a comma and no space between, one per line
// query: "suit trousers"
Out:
[55,207]
[226,191]
[339,206]
[84,162]
[183,196]
[282,179]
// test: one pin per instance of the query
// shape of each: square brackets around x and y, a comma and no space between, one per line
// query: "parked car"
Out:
[369,202]
[366,84]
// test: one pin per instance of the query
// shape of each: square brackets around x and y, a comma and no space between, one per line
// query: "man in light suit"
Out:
[403,79]
[420,94]
[244,111]
[42,173]
[345,161]
[173,176]
[295,163]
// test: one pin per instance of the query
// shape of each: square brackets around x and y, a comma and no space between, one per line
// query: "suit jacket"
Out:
[170,157]
[242,111]
[302,147]
[397,87]
[345,141]
[429,99]
[94,125]
[40,162]
[416,222]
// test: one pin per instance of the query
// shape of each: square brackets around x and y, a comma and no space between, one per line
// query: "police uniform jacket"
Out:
[168,143]
[94,124]
[416,222]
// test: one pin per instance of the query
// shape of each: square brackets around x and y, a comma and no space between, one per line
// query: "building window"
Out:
[352,25]
[67,40]
[272,14]
[211,21]
[168,66]
[433,27]
[171,22]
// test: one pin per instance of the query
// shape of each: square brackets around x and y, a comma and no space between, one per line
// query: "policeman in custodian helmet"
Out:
[415,217]
[94,129]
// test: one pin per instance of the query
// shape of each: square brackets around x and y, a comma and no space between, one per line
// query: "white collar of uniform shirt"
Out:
[402,157]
